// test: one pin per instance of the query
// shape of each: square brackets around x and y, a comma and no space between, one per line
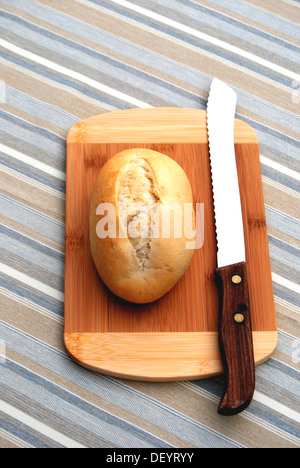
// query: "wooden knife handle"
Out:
[235,338]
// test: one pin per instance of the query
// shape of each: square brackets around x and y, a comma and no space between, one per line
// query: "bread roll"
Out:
[139,251]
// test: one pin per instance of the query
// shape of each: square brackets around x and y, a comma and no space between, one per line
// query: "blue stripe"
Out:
[111,68]
[196,42]
[277,381]
[262,16]
[106,70]
[179,72]
[284,143]
[45,133]
[277,176]
[145,56]
[54,279]
[202,44]
[32,219]
[42,249]
[46,149]
[33,438]
[31,172]
[284,259]
[31,295]
[286,294]
[282,222]
[81,420]
[40,110]
[32,259]
[278,139]
[117,393]
[285,251]
[44,38]
[210,21]
[73,84]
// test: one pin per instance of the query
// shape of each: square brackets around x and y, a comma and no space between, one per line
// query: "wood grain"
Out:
[156,125]
[97,322]
[160,357]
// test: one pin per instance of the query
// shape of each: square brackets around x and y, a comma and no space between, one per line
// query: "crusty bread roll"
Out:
[136,255]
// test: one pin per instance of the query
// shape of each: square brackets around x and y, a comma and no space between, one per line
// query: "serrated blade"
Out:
[227,204]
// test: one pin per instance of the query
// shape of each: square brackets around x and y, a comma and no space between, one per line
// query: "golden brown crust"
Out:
[140,268]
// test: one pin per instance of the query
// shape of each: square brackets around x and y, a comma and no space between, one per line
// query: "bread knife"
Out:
[234,321]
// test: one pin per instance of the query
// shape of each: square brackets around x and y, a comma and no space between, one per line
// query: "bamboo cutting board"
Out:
[174,338]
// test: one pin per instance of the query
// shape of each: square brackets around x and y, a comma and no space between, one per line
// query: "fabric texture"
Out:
[63,61]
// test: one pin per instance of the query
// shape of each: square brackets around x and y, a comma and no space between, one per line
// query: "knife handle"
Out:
[235,338]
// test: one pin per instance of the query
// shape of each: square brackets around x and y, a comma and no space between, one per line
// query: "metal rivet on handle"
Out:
[238,317]
[236,279]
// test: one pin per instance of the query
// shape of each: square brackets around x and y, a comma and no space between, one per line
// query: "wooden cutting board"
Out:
[174,338]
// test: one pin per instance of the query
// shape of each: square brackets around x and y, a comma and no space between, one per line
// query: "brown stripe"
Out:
[200,408]
[41,200]
[33,120]
[256,85]
[70,101]
[275,124]
[163,45]
[285,9]
[8,441]
[280,199]
[37,325]
[284,237]
[254,21]
[32,234]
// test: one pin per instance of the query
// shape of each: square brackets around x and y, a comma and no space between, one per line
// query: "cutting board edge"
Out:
[157,126]
[196,355]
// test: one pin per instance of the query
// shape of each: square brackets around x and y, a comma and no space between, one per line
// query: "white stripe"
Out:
[292,2]
[282,188]
[32,182]
[32,162]
[2,92]
[186,45]
[30,237]
[280,168]
[258,396]
[54,84]
[279,213]
[48,290]
[286,283]
[14,440]
[276,406]
[39,426]
[251,417]
[31,305]
[73,74]
[207,38]
[287,305]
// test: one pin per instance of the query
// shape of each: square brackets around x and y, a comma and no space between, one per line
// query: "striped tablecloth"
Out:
[65,60]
